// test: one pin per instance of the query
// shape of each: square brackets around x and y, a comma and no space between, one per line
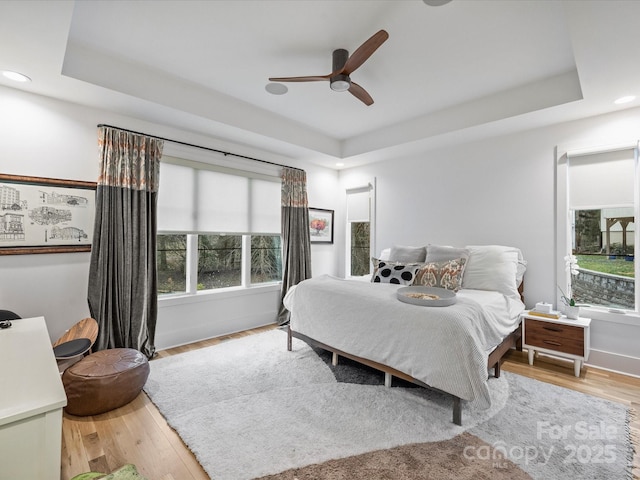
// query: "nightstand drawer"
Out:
[555,329]
[553,336]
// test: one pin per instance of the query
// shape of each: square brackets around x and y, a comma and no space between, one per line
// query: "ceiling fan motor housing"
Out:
[340,82]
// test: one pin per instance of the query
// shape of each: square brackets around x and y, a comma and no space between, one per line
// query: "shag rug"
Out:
[248,408]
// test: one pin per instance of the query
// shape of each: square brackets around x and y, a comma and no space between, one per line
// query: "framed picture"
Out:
[321,225]
[45,215]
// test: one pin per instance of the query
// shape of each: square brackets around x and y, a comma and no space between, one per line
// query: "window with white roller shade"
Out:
[359,231]
[218,227]
[205,200]
[600,188]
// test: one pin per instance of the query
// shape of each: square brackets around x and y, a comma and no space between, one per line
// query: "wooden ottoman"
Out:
[104,380]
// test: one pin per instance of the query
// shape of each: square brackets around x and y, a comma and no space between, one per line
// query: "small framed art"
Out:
[321,225]
[45,215]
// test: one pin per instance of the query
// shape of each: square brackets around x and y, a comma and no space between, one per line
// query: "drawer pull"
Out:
[556,344]
[553,329]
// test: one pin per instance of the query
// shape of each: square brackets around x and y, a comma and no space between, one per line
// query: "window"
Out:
[359,231]
[218,228]
[601,210]
[219,261]
[360,250]
[172,263]
[266,258]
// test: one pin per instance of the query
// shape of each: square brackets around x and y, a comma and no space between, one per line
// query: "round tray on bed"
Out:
[427,296]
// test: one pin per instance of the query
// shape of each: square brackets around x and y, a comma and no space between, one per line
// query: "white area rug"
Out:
[249,408]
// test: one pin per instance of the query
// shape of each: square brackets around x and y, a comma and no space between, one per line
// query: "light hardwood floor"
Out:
[138,434]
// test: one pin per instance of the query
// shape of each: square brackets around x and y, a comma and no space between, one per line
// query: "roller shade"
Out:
[205,200]
[176,202]
[604,179]
[265,206]
[358,204]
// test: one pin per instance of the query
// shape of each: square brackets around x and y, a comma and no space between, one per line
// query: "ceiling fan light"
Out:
[340,83]
[340,86]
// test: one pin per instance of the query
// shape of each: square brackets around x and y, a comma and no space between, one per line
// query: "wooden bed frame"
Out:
[513,340]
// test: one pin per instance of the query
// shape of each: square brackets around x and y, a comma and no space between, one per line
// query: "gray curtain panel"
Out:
[296,243]
[122,291]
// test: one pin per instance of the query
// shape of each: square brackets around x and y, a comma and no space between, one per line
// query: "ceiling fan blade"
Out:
[364,51]
[312,78]
[360,93]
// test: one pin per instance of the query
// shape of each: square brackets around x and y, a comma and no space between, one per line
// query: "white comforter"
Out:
[445,347]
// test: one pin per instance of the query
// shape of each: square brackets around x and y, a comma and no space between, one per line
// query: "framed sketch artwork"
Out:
[321,225]
[45,215]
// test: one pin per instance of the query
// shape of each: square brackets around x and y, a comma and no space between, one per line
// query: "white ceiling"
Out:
[465,70]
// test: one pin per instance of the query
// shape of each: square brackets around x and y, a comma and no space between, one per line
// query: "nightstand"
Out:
[562,337]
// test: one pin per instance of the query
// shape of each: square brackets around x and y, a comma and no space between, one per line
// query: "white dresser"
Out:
[31,402]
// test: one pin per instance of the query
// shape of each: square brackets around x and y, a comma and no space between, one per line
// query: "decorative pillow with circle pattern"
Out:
[445,274]
[394,272]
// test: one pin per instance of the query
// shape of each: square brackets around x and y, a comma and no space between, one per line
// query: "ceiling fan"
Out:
[343,66]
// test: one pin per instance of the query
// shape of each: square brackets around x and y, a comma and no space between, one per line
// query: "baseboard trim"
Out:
[615,362]
[222,333]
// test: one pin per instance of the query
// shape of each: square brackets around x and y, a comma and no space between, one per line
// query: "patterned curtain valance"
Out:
[129,160]
[294,188]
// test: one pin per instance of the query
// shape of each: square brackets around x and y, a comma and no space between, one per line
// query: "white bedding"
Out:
[445,347]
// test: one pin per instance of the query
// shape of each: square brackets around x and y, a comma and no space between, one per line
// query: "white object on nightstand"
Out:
[544,307]
[563,337]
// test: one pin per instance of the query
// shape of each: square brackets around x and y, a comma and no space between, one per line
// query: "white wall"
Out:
[49,138]
[323,192]
[498,191]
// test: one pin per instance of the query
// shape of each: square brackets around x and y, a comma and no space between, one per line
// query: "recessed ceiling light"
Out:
[276,88]
[15,76]
[627,99]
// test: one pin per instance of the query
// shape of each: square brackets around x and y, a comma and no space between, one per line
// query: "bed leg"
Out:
[519,339]
[334,359]
[388,378]
[457,411]
[289,339]
[496,370]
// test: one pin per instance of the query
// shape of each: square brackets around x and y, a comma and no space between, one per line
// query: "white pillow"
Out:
[384,254]
[494,267]
[440,253]
[404,253]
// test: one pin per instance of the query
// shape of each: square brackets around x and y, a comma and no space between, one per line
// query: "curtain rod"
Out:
[200,146]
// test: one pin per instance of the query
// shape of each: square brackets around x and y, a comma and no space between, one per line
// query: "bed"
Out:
[447,348]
